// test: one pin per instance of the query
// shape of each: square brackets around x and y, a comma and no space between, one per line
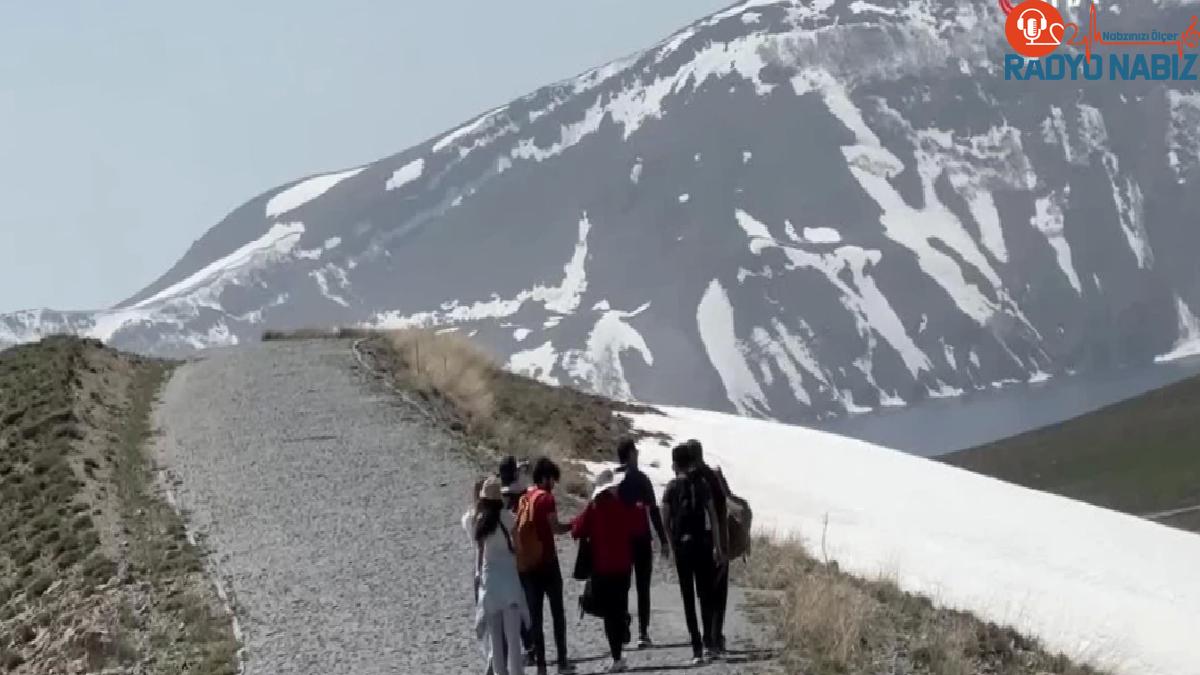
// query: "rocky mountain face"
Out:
[785,209]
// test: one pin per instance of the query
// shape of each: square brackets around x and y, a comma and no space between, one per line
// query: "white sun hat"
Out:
[607,480]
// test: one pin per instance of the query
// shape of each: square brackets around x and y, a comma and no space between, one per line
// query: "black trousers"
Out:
[697,576]
[643,566]
[540,584]
[613,590]
[720,601]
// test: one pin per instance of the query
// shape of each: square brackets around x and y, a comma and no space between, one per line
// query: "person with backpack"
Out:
[637,491]
[608,525]
[694,532]
[720,593]
[501,609]
[537,561]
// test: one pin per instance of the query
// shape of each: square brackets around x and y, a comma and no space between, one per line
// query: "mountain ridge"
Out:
[783,210]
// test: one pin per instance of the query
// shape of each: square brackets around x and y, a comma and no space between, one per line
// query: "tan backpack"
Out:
[528,543]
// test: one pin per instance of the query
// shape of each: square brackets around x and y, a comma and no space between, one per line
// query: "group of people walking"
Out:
[517,572]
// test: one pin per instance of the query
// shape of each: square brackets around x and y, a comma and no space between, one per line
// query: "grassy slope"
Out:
[95,569]
[1139,456]
[828,622]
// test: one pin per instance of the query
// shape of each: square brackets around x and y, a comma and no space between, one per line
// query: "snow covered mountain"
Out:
[789,209]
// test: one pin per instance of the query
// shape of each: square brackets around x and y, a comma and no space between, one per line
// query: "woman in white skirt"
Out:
[500,609]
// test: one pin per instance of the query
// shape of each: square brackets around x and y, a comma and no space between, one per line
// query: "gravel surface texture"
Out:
[331,511]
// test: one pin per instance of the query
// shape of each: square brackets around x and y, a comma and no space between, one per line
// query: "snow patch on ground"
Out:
[305,191]
[1114,588]
[1189,334]
[725,352]
[406,174]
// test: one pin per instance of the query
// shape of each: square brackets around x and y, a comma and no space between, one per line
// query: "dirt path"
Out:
[331,511]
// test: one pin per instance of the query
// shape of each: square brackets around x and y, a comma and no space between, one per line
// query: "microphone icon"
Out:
[1031,28]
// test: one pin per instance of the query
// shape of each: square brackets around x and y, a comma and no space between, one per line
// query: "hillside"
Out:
[1138,456]
[786,209]
[96,570]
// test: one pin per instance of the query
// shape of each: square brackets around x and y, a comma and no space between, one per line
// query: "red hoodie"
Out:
[610,524]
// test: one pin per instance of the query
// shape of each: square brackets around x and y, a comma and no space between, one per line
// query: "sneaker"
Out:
[644,641]
[541,670]
[618,666]
[697,660]
[712,655]
[566,668]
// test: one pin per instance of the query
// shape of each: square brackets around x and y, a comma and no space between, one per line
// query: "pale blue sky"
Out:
[129,127]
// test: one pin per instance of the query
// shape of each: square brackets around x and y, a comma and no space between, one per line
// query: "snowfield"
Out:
[1101,586]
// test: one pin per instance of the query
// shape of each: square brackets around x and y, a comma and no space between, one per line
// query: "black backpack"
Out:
[689,508]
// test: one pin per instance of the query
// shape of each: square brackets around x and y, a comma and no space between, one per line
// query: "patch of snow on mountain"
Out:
[821,235]
[872,311]
[332,243]
[599,363]
[305,191]
[916,229]
[714,316]
[791,355]
[276,243]
[1048,219]
[859,6]
[464,131]
[751,18]
[1127,194]
[635,174]
[1076,576]
[321,277]
[1189,334]
[1183,133]
[747,156]
[520,334]
[684,198]
[537,363]
[406,174]
[563,298]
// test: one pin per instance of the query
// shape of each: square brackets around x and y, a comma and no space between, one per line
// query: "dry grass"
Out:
[89,556]
[831,622]
[498,412]
[452,367]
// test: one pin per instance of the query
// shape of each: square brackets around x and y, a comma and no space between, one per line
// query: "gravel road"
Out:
[331,511]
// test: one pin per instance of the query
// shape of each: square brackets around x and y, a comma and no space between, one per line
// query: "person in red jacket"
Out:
[611,525]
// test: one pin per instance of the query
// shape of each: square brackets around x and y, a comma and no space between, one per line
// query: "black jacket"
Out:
[635,488]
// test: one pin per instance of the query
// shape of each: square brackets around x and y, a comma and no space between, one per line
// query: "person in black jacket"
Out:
[720,594]
[637,491]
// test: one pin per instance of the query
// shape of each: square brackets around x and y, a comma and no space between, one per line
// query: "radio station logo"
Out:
[1047,47]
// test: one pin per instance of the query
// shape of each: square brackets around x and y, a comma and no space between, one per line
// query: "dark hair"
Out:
[681,456]
[625,450]
[697,450]
[487,518]
[508,470]
[545,468]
